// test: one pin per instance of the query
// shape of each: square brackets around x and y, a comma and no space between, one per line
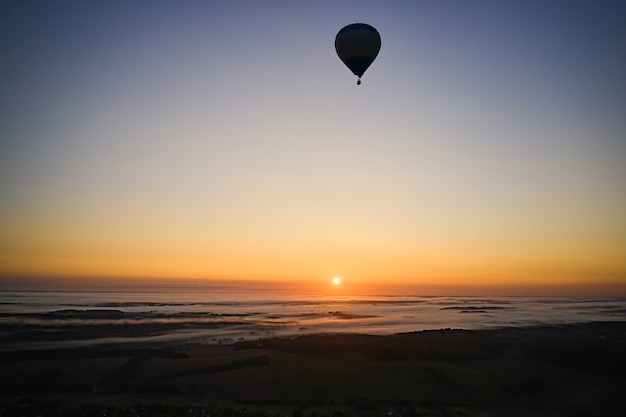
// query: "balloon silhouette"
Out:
[357,46]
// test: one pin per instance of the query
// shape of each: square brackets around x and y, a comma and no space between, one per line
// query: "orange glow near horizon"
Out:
[369,271]
[89,244]
[84,248]
[317,287]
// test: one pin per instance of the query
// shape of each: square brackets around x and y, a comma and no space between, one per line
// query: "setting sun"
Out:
[336,281]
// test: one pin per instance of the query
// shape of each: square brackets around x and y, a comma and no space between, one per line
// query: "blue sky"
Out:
[226,139]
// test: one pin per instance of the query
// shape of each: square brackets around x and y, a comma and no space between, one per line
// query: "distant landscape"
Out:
[566,370]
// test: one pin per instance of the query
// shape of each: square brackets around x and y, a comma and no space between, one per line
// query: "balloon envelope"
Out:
[357,46]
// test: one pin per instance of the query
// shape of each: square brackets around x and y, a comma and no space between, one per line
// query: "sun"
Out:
[336,281]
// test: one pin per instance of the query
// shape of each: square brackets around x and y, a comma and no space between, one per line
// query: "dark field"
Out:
[571,370]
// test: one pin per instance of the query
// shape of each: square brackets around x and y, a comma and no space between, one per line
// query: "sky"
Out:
[225,140]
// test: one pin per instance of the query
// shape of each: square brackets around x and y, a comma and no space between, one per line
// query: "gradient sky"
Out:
[225,139]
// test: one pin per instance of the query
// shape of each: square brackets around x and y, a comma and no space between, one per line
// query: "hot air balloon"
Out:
[357,46]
